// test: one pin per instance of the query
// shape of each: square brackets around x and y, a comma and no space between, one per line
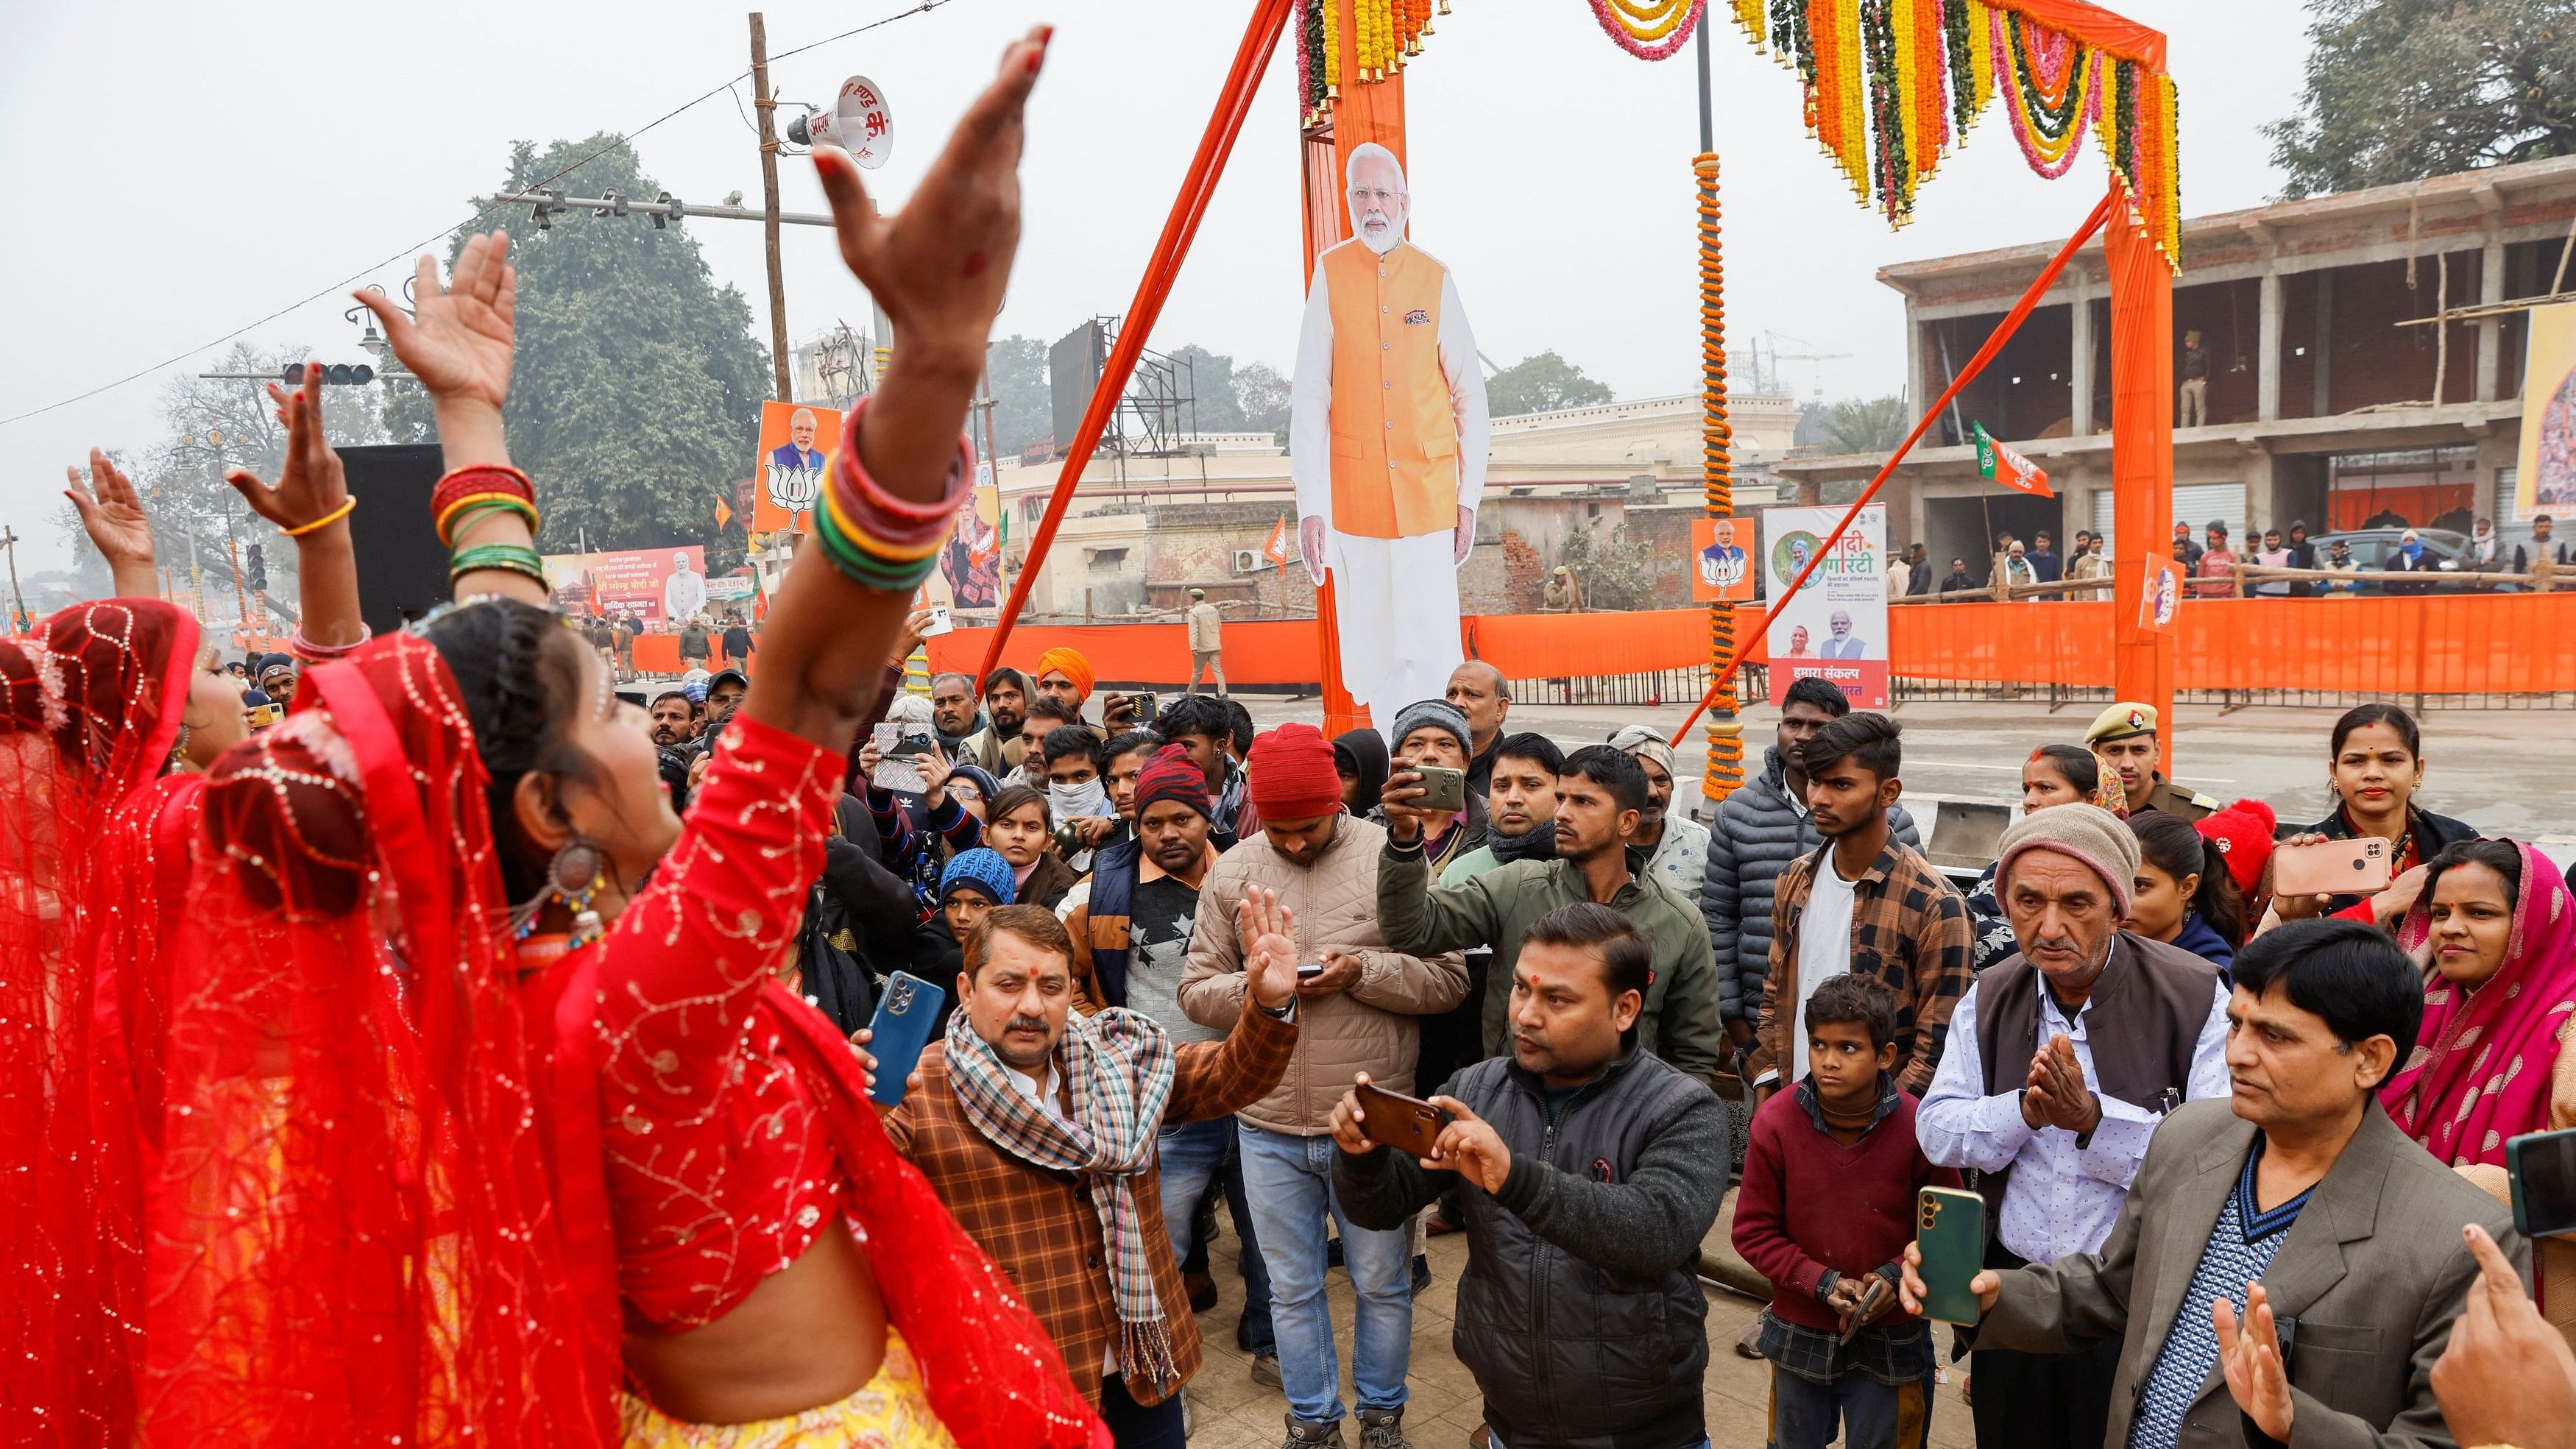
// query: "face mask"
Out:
[1083,801]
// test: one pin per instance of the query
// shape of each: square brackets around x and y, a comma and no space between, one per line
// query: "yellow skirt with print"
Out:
[892,1412]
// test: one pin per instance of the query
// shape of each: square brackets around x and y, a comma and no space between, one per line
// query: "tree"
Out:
[1211,383]
[1616,573]
[1542,384]
[1862,425]
[2398,90]
[1262,395]
[635,397]
[1023,409]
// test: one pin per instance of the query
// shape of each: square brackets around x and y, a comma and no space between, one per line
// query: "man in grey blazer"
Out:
[2295,1262]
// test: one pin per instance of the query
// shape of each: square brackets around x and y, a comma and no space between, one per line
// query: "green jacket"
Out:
[1497,908]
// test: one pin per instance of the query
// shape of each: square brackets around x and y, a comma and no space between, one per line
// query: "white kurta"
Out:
[1395,599]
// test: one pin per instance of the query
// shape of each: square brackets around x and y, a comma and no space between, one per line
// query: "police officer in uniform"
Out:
[2123,738]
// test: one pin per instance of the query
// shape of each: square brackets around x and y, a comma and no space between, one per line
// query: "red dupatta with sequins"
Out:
[93,703]
[352,1236]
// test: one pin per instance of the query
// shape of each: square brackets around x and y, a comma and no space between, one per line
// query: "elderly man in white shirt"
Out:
[2061,1061]
[1387,442]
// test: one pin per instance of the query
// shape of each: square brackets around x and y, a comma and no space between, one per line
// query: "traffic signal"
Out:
[255,570]
[335,374]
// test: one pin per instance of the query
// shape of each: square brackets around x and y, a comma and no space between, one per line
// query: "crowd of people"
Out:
[479,1055]
[2214,568]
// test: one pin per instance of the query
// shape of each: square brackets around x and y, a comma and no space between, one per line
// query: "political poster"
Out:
[2545,480]
[1835,628]
[795,441]
[1721,570]
[970,563]
[660,587]
[2162,598]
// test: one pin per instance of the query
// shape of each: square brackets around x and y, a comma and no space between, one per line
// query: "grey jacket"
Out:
[2373,1272]
[1757,833]
[1580,1311]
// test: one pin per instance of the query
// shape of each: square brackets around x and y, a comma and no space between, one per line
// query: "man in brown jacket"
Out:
[1358,1002]
[1037,1127]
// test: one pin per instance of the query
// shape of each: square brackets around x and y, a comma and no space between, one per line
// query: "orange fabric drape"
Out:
[2096,27]
[2142,401]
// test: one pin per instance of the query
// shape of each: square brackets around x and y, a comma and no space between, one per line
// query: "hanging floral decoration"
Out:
[1384,34]
[1891,86]
[1654,29]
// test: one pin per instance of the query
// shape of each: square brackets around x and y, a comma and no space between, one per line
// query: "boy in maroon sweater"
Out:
[1841,1146]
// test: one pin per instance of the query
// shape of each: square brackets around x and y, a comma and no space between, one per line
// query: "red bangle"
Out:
[898,520]
[480,478]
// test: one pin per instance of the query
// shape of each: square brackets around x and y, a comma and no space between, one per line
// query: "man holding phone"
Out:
[1589,1172]
[1599,798]
[2286,1268]
[1037,1127]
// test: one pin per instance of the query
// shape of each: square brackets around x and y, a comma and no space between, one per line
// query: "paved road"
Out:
[2498,769]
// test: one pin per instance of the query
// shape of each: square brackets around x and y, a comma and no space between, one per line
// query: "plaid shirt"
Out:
[1910,932]
[1040,1225]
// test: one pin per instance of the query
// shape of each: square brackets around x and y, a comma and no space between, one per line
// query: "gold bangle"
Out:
[326,520]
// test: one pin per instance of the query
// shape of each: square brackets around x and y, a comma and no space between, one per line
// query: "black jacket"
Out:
[2432,832]
[1580,1312]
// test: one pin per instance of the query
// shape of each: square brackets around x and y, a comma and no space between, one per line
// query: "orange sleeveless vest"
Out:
[1395,436]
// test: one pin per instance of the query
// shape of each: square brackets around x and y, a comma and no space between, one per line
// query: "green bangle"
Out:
[473,511]
[513,557]
[854,562]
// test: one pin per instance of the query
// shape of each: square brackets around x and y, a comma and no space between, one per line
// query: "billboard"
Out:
[1721,569]
[795,441]
[660,586]
[1836,627]
[970,563]
[2545,480]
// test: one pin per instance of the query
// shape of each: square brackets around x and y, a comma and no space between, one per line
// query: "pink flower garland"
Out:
[2009,83]
[1660,49]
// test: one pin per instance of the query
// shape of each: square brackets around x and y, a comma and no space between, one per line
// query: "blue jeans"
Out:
[1192,1156]
[1291,1183]
[1874,1415]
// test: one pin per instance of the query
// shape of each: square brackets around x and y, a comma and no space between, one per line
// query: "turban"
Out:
[1172,775]
[1073,665]
[2090,835]
[1292,774]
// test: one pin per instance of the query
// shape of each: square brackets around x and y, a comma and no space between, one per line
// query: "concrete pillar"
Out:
[2262,510]
[2490,329]
[1917,395]
[2323,350]
[2267,381]
[2081,365]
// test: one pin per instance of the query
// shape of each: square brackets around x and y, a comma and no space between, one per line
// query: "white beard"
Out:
[1383,240]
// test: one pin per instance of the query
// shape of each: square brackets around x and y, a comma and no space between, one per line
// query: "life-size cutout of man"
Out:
[1387,445]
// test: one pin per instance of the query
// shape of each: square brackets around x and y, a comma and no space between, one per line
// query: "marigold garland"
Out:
[1649,29]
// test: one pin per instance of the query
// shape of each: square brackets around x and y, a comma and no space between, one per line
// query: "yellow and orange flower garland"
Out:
[1892,85]
[1384,35]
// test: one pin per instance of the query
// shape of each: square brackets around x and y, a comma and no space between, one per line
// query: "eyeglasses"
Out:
[1374,196]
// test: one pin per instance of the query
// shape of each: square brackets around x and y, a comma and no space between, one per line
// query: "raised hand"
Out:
[2256,1379]
[939,265]
[112,514]
[2507,1376]
[1268,932]
[458,340]
[310,484]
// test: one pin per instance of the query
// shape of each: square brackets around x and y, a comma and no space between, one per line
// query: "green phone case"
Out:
[1950,1230]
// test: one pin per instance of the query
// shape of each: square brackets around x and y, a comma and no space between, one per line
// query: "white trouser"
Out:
[1396,605]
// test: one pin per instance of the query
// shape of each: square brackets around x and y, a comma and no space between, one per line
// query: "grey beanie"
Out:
[1433,712]
[2090,834]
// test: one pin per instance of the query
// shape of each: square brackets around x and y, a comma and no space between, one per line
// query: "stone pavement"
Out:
[1233,1412]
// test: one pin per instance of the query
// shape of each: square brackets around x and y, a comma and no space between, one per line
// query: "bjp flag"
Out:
[724,513]
[2000,464]
[1276,550]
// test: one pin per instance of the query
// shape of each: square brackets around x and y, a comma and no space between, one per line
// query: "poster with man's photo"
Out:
[1836,627]
[657,587]
[795,441]
[1721,565]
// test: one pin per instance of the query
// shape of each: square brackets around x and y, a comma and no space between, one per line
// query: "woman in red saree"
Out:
[732,1252]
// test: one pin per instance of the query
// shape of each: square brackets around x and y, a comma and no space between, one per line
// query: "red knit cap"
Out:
[1292,774]
[2243,833]
[1172,775]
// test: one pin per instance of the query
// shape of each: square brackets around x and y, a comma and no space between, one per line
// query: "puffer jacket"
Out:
[1758,832]
[1368,1028]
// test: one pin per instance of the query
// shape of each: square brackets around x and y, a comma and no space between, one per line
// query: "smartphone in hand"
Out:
[900,1031]
[1950,1232]
[1392,1119]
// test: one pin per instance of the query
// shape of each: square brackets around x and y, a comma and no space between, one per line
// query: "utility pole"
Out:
[761,102]
[9,541]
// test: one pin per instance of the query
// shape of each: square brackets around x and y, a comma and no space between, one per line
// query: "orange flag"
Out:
[1276,550]
[724,513]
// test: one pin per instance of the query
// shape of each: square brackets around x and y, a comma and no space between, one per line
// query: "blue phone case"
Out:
[899,1031]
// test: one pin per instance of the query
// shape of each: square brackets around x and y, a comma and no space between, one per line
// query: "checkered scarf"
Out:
[1119,1066]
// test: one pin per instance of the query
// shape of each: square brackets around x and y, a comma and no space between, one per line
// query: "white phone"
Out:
[940,623]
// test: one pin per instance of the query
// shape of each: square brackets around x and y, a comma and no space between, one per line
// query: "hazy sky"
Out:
[179,170]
